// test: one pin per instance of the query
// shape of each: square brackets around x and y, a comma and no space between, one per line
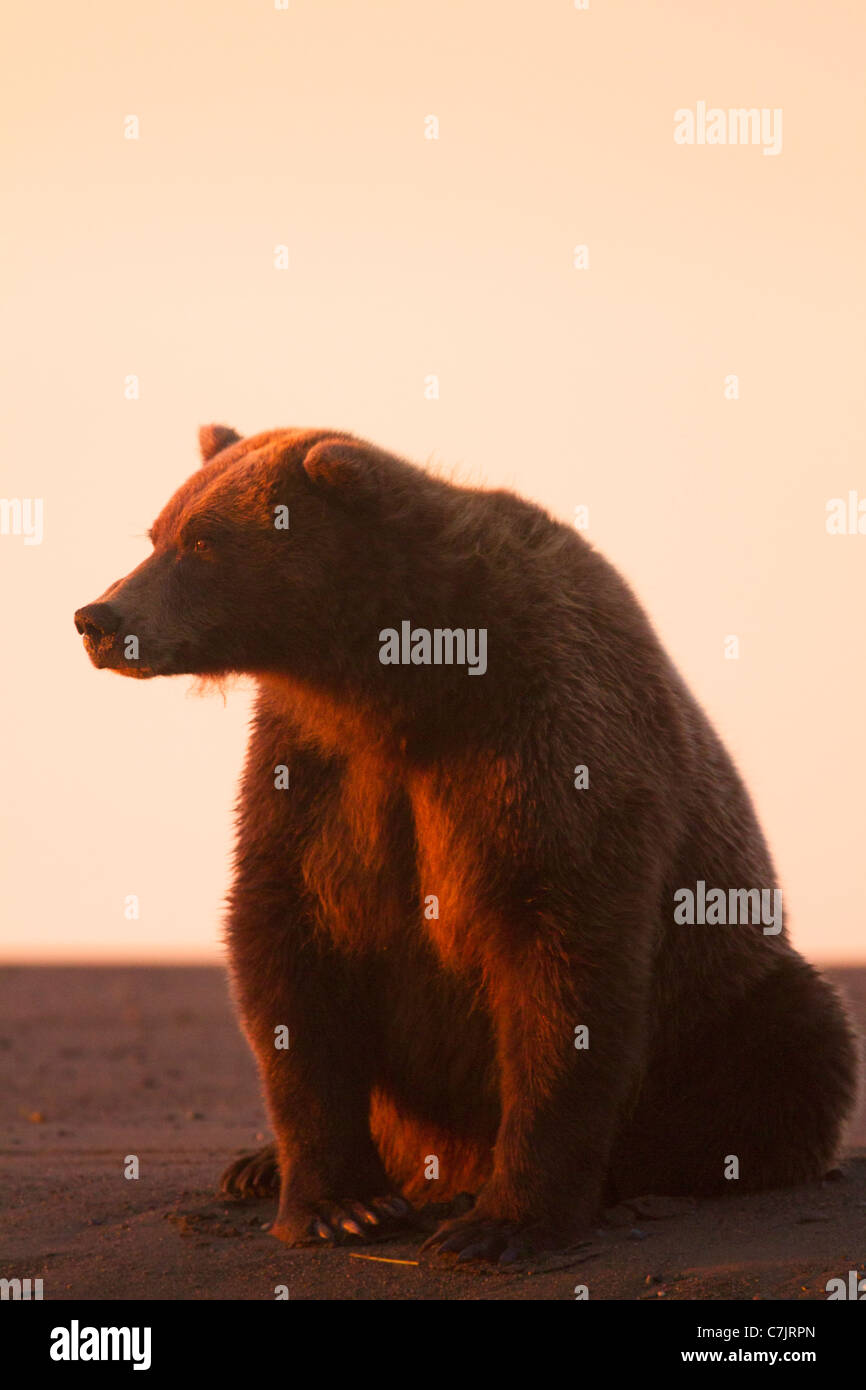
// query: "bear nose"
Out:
[97,620]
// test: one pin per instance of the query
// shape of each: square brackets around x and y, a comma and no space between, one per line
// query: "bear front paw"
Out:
[345,1222]
[253,1175]
[477,1237]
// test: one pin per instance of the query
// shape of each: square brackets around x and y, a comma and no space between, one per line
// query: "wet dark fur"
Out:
[455,1036]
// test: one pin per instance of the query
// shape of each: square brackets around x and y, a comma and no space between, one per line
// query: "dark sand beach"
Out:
[102,1063]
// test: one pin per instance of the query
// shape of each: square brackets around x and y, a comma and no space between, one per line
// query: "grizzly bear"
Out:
[478,811]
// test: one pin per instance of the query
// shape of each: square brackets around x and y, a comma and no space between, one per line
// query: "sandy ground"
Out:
[103,1063]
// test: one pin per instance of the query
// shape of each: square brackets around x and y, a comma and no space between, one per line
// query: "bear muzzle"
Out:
[99,624]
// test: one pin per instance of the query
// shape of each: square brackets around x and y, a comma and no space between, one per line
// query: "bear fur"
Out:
[425,898]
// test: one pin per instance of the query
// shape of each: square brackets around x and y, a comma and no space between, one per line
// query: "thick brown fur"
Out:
[413,1034]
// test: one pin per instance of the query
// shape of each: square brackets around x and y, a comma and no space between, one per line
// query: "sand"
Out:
[104,1063]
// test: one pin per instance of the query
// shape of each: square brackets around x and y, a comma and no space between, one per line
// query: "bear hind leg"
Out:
[770,1087]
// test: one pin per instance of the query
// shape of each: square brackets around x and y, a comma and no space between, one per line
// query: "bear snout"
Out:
[96,621]
[98,624]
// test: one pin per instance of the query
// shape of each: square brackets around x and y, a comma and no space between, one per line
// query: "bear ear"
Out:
[212,439]
[344,464]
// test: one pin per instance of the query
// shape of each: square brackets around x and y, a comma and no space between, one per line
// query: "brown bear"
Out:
[498,885]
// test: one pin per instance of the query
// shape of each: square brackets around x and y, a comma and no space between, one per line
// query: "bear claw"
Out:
[252,1175]
[496,1241]
[351,1220]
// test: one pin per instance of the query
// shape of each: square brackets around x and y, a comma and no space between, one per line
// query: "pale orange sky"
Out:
[407,257]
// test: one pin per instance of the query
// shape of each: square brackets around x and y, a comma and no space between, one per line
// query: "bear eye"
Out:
[201,547]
